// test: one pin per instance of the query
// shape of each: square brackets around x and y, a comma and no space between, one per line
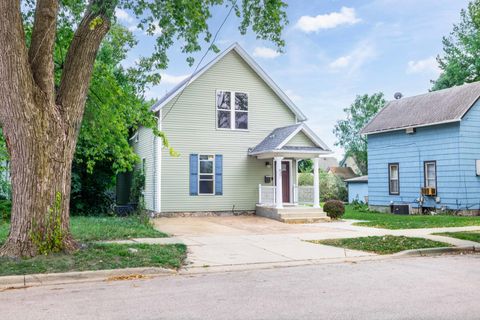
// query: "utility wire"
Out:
[201,60]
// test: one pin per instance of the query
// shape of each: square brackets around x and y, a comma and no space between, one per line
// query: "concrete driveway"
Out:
[240,240]
[244,240]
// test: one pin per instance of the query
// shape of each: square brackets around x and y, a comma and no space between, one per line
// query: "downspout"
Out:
[157,156]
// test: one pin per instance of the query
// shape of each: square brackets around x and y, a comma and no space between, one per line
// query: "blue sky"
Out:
[334,51]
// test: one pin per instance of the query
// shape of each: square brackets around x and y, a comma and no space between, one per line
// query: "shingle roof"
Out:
[448,105]
[275,138]
[358,179]
[343,172]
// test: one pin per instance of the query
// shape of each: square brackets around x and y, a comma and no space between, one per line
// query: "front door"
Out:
[286,181]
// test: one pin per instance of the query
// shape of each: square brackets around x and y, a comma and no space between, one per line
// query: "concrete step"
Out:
[301,219]
[303,214]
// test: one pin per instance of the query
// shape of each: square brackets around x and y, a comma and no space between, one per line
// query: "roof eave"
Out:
[410,126]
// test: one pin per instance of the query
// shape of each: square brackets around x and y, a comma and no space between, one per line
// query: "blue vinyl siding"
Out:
[357,191]
[454,147]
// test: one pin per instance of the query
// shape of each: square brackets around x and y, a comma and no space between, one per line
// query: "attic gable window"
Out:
[232,115]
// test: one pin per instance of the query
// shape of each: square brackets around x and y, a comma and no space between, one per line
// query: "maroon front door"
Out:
[286,181]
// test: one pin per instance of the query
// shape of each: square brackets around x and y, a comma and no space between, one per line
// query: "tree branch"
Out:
[79,64]
[15,74]
[41,48]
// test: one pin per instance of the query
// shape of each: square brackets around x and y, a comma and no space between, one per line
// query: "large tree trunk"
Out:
[41,124]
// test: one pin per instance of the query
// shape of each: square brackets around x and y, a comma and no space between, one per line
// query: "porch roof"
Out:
[275,144]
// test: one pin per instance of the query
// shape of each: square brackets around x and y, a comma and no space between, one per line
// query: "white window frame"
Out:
[427,178]
[390,179]
[212,174]
[232,110]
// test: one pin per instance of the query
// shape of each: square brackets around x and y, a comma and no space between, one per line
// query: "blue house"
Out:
[424,151]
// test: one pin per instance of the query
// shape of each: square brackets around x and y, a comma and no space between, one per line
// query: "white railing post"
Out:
[316,183]
[260,193]
[295,194]
[278,182]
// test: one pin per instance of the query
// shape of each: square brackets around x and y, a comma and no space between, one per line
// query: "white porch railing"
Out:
[266,194]
[303,194]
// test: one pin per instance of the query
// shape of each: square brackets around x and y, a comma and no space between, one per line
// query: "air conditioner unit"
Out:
[429,191]
[400,209]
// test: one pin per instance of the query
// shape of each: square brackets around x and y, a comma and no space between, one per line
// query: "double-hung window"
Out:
[394,178]
[206,179]
[430,174]
[232,114]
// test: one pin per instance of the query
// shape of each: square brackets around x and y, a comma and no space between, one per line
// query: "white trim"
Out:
[278,182]
[249,60]
[199,174]
[291,184]
[316,183]
[309,133]
[232,110]
[412,126]
[134,137]
[158,167]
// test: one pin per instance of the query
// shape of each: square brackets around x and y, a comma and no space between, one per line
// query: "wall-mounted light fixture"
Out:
[267,164]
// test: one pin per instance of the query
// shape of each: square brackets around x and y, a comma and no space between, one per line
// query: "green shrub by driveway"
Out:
[382,245]
[464,235]
[393,221]
[99,257]
[334,209]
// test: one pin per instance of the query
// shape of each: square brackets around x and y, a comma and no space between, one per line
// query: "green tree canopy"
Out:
[347,131]
[460,62]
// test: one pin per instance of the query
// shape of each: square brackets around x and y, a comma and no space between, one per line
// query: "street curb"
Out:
[435,251]
[77,277]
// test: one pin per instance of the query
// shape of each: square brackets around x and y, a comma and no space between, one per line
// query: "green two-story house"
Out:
[239,139]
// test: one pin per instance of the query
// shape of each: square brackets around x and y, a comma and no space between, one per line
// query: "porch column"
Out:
[316,183]
[278,182]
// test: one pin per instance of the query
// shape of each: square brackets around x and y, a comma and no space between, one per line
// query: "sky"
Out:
[335,50]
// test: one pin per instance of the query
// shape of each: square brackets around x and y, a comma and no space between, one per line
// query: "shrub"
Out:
[334,209]
[305,179]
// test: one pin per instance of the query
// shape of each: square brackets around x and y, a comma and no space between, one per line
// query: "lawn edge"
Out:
[436,251]
[41,279]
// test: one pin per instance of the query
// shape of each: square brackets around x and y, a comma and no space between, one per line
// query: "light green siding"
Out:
[144,148]
[190,127]
[300,140]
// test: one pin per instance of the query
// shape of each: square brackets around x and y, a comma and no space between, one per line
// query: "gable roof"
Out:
[343,172]
[279,137]
[437,107]
[249,60]
[357,179]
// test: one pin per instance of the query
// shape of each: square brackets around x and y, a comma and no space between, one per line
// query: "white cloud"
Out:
[267,53]
[428,65]
[363,53]
[171,79]
[123,15]
[346,16]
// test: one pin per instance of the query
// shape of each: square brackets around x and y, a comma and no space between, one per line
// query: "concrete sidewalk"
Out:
[243,240]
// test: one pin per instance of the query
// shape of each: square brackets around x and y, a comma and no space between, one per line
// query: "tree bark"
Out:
[40,131]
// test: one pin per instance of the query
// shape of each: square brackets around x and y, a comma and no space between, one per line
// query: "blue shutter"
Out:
[194,174]
[218,174]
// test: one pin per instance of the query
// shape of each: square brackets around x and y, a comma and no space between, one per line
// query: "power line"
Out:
[201,60]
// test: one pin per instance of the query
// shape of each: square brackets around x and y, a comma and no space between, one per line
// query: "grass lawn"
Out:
[392,221]
[95,256]
[99,257]
[464,235]
[86,229]
[382,245]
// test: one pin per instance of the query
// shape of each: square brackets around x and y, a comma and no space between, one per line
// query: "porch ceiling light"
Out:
[267,164]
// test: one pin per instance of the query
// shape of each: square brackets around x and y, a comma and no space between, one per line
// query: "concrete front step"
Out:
[303,219]
[293,214]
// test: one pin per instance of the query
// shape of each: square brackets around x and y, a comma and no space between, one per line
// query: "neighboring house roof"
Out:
[343,172]
[357,179]
[327,163]
[249,60]
[437,107]
[278,138]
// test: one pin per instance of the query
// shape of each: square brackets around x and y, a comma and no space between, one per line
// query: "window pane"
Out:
[206,157]
[393,172]
[223,100]
[241,101]
[241,120]
[393,186]
[430,183]
[206,187]
[430,170]
[224,119]
[206,166]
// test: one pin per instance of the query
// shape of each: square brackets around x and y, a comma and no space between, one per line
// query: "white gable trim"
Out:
[300,116]
[309,133]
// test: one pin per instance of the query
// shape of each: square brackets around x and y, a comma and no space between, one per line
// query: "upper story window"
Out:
[393,178]
[430,174]
[232,114]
